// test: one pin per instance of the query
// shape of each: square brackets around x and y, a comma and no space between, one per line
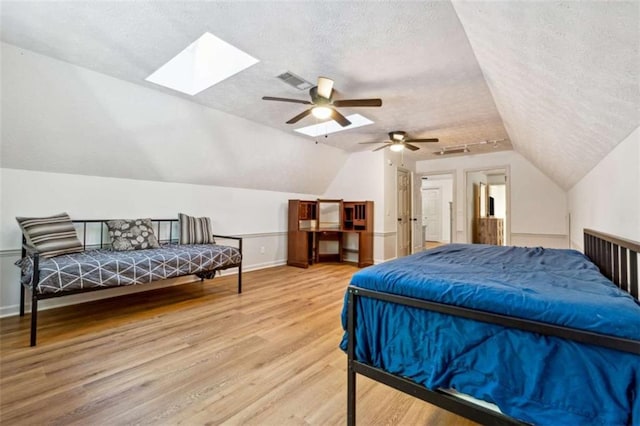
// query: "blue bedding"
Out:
[538,379]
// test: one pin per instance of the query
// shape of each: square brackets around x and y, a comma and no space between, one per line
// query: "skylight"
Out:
[332,127]
[205,62]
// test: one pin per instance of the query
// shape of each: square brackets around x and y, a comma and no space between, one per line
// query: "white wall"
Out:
[372,176]
[259,216]
[362,178]
[538,205]
[62,118]
[498,192]
[607,199]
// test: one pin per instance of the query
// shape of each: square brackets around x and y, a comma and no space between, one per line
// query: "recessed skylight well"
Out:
[327,127]
[205,62]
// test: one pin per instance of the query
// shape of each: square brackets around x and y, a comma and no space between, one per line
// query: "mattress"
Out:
[538,379]
[106,268]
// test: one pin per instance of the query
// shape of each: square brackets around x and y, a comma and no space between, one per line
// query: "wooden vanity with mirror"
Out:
[330,231]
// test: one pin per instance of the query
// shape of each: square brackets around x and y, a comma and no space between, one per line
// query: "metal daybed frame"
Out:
[31,251]
[617,259]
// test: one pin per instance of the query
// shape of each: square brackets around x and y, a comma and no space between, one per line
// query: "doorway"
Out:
[437,209]
[487,206]
[404,213]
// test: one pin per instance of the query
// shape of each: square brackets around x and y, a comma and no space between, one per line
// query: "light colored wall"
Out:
[538,205]
[362,178]
[259,216]
[499,200]
[62,118]
[607,199]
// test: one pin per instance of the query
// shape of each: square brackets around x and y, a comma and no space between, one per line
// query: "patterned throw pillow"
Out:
[195,230]
[132,234]
[51,236]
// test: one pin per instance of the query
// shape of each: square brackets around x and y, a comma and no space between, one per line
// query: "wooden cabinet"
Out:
[303,216]
[490,230]
[345,225]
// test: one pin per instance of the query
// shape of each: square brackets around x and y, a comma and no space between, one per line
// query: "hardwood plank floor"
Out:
[198,354]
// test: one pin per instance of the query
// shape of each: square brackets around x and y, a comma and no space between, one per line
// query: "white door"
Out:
[432,214]
[404,213]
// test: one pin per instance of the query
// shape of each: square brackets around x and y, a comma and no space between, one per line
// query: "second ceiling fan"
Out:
[398,141]
[324,106]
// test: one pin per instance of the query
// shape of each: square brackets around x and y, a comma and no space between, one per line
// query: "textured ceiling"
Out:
[413,55]
[564,76]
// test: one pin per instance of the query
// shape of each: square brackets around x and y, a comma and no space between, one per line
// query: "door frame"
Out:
[454,199]
[507,194]
[410,175]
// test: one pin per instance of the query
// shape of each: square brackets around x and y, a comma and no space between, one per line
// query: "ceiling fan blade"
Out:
[358,103]
[325,87]
[299,116]
[364,143]
[422,140]
[295,101]
[382,147]
[411,147]
[341,119]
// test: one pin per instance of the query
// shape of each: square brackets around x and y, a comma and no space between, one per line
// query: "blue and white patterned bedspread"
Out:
[106,268]
[542,380]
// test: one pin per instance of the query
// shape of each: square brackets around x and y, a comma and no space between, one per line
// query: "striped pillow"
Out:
[195,230]
[51,236]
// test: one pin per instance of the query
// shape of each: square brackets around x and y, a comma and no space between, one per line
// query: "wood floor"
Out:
[198,354]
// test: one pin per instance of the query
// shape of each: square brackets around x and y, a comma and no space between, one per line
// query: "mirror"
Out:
[329,214]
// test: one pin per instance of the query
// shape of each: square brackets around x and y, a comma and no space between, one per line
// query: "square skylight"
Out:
[205,62]
[332,127]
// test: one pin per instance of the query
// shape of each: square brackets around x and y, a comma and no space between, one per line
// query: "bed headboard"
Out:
[616,257]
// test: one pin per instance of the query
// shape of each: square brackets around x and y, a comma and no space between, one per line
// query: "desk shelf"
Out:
[307,229]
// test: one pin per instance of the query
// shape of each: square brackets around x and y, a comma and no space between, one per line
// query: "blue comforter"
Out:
[543,380]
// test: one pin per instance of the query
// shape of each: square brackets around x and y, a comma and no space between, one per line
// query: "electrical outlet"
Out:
[261,249]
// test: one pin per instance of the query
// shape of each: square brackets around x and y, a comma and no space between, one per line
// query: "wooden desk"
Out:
[307,228]
[309,240]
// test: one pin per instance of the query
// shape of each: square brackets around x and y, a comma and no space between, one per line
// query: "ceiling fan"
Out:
[323,104]
[398,141]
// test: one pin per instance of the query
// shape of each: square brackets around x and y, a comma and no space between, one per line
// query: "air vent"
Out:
[293,80]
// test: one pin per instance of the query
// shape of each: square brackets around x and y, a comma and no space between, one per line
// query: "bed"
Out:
[545,336]
[98,267]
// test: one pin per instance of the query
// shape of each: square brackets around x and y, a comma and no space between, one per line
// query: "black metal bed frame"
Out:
[617,260]
[28,250]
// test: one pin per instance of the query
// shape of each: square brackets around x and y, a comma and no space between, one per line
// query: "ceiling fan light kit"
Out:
[322,104]
[321,112]
[398,142]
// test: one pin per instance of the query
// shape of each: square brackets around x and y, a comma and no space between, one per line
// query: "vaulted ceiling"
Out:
[558,80]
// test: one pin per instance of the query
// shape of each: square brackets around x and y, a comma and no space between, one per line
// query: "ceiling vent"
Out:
[293,80]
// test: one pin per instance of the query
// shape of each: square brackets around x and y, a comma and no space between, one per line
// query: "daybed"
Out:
[539,333]
[97,267]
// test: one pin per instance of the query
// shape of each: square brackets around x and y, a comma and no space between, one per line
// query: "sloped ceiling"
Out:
[562,74]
